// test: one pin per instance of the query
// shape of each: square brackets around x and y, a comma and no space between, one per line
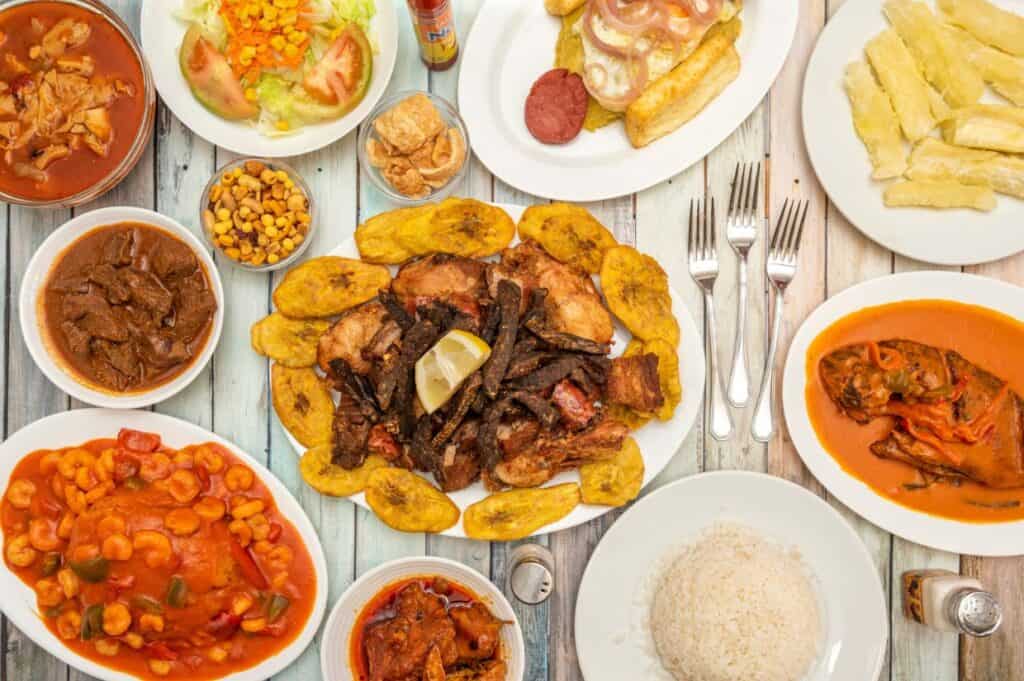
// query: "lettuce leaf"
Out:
[206,13]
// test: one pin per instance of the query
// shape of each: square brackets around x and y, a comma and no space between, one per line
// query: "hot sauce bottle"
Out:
[434,23]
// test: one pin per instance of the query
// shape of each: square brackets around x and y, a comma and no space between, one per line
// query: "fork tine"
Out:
[778,227]
[713,231]
[735,192]
[786,248]
[757,188]
[689,234]
[800,230]
[748,188]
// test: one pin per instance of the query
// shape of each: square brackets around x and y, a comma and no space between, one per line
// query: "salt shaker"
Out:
[950,602]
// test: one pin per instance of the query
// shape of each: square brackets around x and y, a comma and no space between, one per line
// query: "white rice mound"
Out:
[735,606]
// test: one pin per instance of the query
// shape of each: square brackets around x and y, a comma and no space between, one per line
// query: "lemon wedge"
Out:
[444,367]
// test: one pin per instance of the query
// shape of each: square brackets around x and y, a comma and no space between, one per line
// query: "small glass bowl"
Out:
[451,118]
[273,164]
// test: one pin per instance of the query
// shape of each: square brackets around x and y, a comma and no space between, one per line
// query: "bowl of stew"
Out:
[77,101]
[121,307]
[386,624]
[184,559]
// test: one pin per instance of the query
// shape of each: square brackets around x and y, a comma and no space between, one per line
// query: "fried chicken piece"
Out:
[397,648]
[448,278]
[477,632]
[350,335]
[537,460]
[633,382]
[572,305]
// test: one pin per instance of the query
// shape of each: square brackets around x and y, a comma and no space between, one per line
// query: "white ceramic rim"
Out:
[659,441]
[80,425]
[521,32]
[161,34]
[35,278]
[978,539]
[355,598]
[823,668]
[944,237]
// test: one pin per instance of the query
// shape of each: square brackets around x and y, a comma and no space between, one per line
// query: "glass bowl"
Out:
[273,164]
[142,135]
[452,119]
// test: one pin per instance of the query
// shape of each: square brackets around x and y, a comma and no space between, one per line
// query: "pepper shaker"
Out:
[946,601]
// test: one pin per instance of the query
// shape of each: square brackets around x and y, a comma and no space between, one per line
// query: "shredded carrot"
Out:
[886,359]
[265,34]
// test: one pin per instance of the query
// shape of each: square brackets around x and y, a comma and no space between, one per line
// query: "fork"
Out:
[703,259]
[781,270]
[741,232]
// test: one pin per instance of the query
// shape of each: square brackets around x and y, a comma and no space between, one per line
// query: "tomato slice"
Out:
[342,75]
[138,441]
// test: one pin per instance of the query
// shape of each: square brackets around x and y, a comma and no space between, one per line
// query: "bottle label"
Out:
[435,29]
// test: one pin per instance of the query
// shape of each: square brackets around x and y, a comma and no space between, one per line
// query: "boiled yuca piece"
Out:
[988,23]
[939,195]
[987,126]
[875,121]
[940,59]
[684,91]
[934,160]
[1004,73]
[904,84]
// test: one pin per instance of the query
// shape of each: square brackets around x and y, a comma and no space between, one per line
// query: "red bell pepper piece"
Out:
[160,651]
[250,570]
[275,532]
[223,624]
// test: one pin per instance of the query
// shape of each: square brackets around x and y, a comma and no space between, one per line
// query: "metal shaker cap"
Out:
[531,575]
[976,613]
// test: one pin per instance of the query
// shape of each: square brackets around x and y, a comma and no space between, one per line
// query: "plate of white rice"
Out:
[731,576]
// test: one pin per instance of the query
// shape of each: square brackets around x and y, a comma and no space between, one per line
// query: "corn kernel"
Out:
[244,212]
[267,220]
[288,183]
[291,51]
[232,253]
[226,240]
[262,240]
[238,172]
[271,232]
[247,227]
[222,227]
[272,258]
[281,222]
[250,94]
[223,214]
[288,244]
[278,42]
[296,37]
[270,12]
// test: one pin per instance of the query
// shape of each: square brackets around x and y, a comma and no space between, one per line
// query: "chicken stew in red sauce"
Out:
[128,307]
[429,629]
[71,99]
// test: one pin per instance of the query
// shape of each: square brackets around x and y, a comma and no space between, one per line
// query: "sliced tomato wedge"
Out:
[342,76]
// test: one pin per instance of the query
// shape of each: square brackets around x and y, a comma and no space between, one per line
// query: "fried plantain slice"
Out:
[291,342]
[377,238]
[408,503]
[303,403]
[668,376]
[518,513]
[569,233]
[333,480]
[633,419]
[327,286]
[614,482]
[465,227]
[636,289]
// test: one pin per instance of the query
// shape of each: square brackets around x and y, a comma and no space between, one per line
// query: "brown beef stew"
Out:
[128,307]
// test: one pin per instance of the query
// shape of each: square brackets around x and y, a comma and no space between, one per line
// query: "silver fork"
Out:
[741,232]
[703,257]
[781,270]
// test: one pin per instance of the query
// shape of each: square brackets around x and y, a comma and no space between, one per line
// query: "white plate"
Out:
[613,641]
[658,440]
[38,271]
[988,539]
[161,37]
[334,659]
[513,42]
[946,237]
[80,425]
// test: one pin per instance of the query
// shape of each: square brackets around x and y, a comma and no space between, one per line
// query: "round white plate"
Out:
[334,659]
[161,34]
[80,425]
[988,539]
[513,42]
[613,641]
[945,237]
[38,271]
[658,440]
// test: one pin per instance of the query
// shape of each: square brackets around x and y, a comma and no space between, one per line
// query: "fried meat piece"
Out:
[451,279]
[576,409]
[397,648]
[477,632]
[350,336]
[633,382]
[508,297]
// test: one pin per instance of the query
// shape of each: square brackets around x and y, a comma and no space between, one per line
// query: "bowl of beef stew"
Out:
[121,307]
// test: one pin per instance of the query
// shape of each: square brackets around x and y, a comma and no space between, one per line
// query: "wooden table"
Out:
[232,396]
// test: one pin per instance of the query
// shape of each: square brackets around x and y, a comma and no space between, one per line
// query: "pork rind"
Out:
[408,503]
[569,233]
[614,482]
[303,403]
[408,125]
[465,227]
[291,342]
[333,480]
[519,513]
[636,289]
[327,286]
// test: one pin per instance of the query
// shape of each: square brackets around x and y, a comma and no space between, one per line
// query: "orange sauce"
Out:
[984,337]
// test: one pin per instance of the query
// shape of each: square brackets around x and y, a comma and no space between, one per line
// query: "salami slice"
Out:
[556,106]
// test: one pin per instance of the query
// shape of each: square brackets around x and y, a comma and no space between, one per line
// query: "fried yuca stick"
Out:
[1004,73]
[943,194]
[988,23]
[934,160]
[940,59]
[875,122]
[987,126]
[904,84]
